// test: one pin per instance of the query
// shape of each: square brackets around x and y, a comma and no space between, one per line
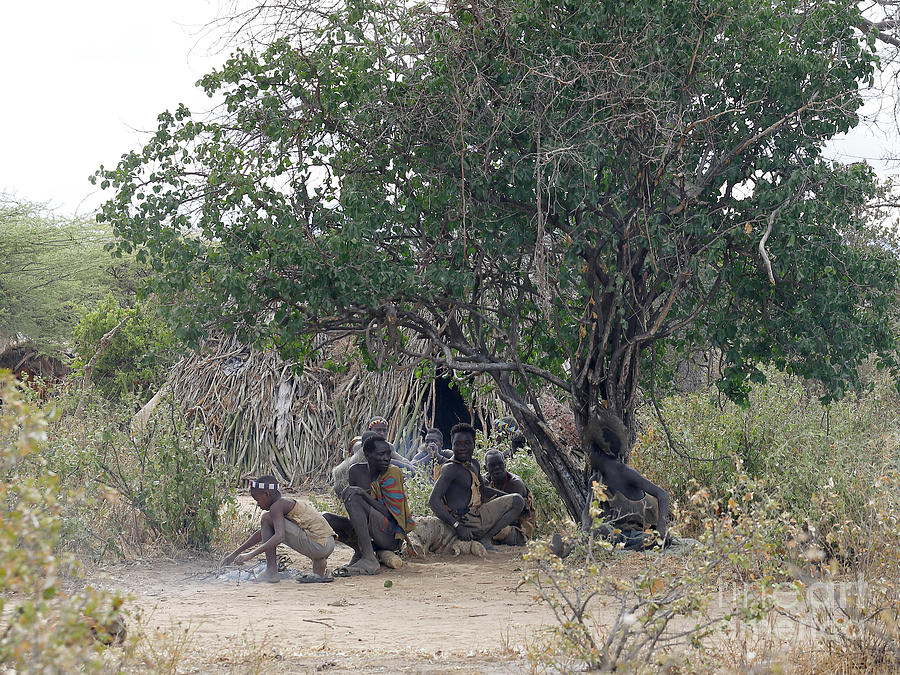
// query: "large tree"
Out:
[543,191]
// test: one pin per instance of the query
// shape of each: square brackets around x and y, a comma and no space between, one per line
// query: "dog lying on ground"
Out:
[432,535]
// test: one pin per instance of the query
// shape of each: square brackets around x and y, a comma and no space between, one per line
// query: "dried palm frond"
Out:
[270,419]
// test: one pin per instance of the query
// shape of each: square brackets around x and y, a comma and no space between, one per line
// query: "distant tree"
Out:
[547,192]
[138,357]
[48,267]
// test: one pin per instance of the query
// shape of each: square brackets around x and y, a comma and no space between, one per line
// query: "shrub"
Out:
[650,615]
[45,628]
[823,464]
[137,359]
[178,485]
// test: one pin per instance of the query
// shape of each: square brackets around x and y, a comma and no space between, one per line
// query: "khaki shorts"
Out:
[488,514]
[300,541]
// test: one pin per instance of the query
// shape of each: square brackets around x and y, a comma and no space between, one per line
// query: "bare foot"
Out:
[367,565]
[269,577]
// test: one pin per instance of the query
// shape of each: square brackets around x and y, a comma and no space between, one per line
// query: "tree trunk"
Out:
[561,469]
[554,459]
[89,368]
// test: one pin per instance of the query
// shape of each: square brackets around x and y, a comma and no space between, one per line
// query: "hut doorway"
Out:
[447,407]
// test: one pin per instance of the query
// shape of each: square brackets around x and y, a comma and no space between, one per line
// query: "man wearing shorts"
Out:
[460,497]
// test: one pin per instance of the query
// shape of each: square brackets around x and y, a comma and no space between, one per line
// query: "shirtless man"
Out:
[633,506]
[432,455]
[497,477]
[340,474]
[460,498]
[378,511]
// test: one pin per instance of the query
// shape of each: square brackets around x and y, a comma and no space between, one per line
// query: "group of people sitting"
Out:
[495,508]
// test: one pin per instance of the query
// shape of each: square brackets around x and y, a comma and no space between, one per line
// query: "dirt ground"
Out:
[438,615]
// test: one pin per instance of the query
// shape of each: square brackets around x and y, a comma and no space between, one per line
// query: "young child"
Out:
[294,522]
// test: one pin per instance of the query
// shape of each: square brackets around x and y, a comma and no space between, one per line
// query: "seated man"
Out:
[631,506]
[378,511]
[292,521]
[432,455]
[497,477]
[459,497]
[340,473]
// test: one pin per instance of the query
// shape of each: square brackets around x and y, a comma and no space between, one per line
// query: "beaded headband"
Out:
[377,420]
[503,425]
[255,484]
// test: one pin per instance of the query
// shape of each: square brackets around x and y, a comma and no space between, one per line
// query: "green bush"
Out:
[120,492]
[137,359]
[45,628]
[418,490]
[178,485]
[810,456]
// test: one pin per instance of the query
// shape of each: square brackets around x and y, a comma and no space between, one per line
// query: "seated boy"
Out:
[378,511]
[432,455]
[294,522]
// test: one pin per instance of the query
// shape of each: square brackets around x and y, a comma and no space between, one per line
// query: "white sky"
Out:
[81,82]
[82,79]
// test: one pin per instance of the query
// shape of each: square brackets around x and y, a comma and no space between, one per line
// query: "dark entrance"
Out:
[449,408]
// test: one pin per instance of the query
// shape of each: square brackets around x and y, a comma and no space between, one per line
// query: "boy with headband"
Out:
[294,522]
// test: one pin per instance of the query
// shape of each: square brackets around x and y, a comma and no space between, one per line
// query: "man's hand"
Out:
[463,533]
[242,558]
[227,560]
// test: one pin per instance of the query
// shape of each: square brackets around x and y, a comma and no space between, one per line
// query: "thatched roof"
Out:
[269,419]
[20,354]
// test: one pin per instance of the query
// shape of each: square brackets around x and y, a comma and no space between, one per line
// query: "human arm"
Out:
[399,460]
[403,463]
[662,498]
[359,485]
[252,540]
[276,515]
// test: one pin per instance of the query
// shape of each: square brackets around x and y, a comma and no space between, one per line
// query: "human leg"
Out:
[496,515]
[510,535]
[368,528]
[266,531]
[299,540]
